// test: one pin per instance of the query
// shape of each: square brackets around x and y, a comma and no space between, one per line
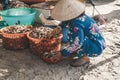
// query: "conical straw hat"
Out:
[67,9]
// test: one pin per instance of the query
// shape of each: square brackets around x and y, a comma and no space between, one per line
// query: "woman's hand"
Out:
[64,45]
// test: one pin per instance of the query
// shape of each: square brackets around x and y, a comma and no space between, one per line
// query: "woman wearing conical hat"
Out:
[79,30]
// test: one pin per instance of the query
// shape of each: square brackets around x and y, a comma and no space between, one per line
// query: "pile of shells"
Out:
[17,4]
[17,29]
[113,26]
[41,32]
[45,32]
[115,22]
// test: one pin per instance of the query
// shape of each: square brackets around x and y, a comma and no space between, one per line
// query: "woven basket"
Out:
[42,45]
[14,41]
[52,60]
[33,1]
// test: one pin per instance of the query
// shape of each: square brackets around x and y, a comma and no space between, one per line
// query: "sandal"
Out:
[82,61]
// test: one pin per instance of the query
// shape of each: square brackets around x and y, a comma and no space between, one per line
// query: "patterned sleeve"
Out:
[78,35]
[65,30]
[96,36]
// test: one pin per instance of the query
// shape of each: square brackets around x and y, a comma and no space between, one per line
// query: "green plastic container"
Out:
[21,16]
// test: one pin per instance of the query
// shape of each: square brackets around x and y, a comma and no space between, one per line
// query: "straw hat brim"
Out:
[67,9]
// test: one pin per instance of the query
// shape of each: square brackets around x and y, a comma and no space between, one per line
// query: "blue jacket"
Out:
[80,33]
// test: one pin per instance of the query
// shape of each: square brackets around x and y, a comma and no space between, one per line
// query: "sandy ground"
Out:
[23,65]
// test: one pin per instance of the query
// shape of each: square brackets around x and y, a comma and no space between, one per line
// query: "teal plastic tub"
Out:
[21,16]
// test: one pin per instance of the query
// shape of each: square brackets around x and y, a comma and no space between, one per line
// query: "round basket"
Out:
[42,45]
[14,41]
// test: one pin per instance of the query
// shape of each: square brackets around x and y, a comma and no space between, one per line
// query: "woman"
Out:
[79,30]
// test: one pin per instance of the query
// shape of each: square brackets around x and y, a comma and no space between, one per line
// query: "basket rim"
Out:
[12,33]
[5,33]
[39,39]
[34,12]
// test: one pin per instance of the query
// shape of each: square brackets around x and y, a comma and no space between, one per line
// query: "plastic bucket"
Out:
[21,16]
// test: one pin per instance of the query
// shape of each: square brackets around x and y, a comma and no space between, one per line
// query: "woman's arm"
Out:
[78,42]
[48,22]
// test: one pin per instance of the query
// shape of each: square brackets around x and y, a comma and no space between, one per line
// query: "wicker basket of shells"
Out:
[44,40]
[15,37]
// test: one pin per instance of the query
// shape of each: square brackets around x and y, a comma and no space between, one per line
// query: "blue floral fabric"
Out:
[84,37]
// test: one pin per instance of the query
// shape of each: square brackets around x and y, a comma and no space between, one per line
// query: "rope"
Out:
[94,8]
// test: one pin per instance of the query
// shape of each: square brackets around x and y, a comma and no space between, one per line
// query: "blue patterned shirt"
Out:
[76,31]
